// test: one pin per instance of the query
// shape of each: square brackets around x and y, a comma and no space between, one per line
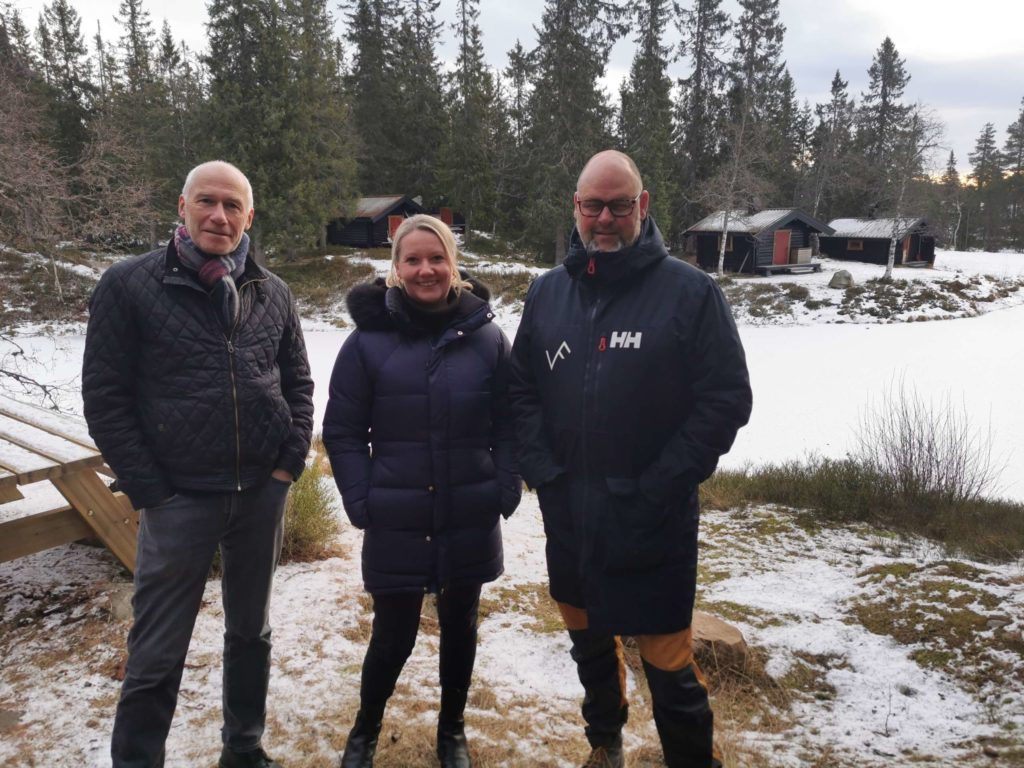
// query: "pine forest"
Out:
[99,128]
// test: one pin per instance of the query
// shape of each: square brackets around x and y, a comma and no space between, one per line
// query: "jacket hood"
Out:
[613,266]
[373,309]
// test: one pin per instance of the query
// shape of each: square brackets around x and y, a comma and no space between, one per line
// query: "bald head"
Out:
[611,161]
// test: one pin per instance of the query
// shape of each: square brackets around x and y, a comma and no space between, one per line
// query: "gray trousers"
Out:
[177,541]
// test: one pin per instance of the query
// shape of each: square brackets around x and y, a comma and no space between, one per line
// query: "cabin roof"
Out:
[743,222]
[874,228]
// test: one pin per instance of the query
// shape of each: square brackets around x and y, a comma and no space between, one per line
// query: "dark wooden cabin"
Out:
[373,222]
[868,240]
[774,237]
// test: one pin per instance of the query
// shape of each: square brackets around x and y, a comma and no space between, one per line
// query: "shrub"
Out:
[925,448]
[311,521]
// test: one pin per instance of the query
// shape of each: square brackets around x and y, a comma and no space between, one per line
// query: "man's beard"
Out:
[592,244]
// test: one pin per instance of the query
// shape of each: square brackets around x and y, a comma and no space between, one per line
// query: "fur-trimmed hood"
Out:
[375,307]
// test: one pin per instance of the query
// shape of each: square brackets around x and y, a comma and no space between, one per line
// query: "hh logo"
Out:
[621,340]
[560,354]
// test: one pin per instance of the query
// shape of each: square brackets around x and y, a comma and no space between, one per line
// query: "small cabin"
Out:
[869,239]
[755,241]
[374,221]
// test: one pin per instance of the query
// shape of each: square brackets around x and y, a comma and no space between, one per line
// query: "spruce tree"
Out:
[68,72]
[470,160]
[417,113]
[757,66]
[882,112]
[1013,168]
[645,116]
[880,121]
[569,112]
[700,110]
[513,158]
[371,84]
[248,97]
[950,204]
[317,182]
[986,173]
[830,147]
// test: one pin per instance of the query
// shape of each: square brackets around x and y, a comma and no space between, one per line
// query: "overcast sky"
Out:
[966,59]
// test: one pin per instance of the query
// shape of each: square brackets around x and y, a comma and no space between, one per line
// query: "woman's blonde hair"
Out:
[448,246]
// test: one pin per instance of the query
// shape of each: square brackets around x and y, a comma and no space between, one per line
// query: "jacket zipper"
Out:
[234,399]
[234,394]
[589,395]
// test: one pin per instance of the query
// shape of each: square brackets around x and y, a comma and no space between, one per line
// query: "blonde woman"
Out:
[421,443]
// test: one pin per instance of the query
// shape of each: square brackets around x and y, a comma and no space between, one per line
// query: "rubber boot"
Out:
[604,705]
[362,741]
[452,750]
[682,715]
[609,756]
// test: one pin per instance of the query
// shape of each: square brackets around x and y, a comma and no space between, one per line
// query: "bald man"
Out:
[197,391]
[629,382]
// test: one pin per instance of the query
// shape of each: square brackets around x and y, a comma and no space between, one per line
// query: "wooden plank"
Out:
[28,535]
[32,438]
[28,466]
[61,424]
[107,516]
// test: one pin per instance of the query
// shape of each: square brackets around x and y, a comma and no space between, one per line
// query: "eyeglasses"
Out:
[619,208]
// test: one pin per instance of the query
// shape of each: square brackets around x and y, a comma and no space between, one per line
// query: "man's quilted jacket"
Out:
[176,402]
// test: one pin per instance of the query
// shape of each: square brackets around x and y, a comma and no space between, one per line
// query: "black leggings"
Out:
[396,620]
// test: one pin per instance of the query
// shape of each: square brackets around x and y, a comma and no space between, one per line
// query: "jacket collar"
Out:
[375,307]
[609,268]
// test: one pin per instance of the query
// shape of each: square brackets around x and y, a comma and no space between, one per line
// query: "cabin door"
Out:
[394,222]
[780,254]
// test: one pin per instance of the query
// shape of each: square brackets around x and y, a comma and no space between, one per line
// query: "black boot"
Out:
[608,756]
[604,708]
[682,715]
[362,742]
[452,749]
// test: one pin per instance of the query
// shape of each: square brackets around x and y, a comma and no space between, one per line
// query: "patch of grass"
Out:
[726,609]
[311,521]
[530,599]
[795,291]
[318,282]
[882,572]
[31,290]
[844,490]
[508,285]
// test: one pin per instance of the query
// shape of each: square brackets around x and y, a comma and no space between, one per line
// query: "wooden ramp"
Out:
[40,445]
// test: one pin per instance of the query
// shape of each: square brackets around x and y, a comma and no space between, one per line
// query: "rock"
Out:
[841,279]
[121,602]
[717,642]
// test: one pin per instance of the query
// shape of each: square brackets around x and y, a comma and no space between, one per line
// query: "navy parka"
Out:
[628,382]
[421,442]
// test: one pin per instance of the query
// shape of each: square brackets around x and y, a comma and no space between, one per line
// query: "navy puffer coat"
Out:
[421,441]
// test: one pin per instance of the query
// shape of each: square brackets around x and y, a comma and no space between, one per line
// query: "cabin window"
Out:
[855,245]
[728,243]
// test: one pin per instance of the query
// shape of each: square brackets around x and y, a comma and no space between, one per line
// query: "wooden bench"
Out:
[810,266]
[39,445]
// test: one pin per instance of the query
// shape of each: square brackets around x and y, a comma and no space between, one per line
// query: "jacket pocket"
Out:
[638,532]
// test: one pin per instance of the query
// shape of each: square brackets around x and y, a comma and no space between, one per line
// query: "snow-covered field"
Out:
[791,592]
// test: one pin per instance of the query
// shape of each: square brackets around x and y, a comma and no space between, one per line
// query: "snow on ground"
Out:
[61,641]
[959,285]
[62,649]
